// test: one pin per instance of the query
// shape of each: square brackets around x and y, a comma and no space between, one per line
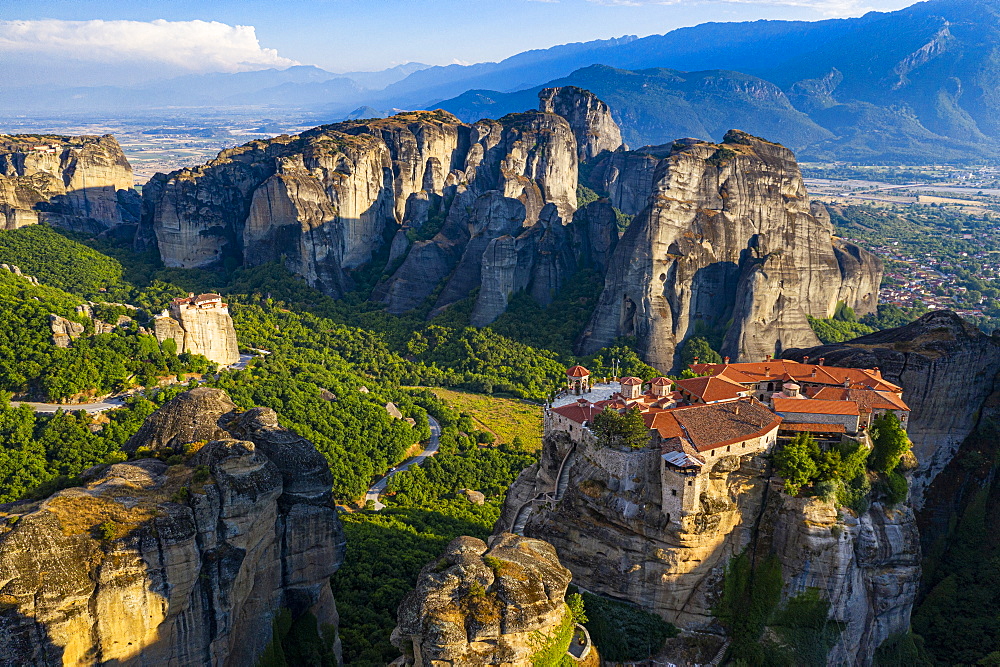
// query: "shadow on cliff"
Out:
[25,641]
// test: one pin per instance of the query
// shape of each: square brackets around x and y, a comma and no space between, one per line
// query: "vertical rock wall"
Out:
[149,564]
[81,183]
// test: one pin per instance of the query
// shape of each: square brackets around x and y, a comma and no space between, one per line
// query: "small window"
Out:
[673,492]
[690,483]
[729,448]
[744,445]
[713,452]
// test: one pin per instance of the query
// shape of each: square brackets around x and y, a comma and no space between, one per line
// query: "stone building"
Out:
[200,325]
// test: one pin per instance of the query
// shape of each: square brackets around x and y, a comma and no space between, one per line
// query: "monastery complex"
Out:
[728,410]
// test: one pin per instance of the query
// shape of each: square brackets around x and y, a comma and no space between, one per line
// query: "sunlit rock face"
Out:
[187,564]
[484,604]
[80,183]
[726,243]
[616,531]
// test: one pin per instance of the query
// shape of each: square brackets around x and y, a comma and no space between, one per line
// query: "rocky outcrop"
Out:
[595,130]
[496,604]
[727,243]
[200,325]
[187,564]
[64,331]
[80,183]
[613,529]
[867,567]
[948,369]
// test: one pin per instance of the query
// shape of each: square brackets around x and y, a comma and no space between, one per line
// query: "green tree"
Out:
[796,462]
[698,348]
[614,429]
[889,443]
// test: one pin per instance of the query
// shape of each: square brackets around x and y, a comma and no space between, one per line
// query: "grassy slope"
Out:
[504,417]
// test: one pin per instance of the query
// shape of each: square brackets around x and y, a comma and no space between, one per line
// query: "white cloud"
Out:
[195,46]
[827,7]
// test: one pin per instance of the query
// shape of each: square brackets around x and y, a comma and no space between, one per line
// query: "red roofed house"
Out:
[812,411]
[631,387]
[708,389]
[577,380]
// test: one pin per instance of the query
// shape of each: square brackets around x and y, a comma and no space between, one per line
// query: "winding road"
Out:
[118,401]
[378,488]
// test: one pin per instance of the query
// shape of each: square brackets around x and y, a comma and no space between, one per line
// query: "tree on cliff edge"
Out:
[615,429]
[889,443]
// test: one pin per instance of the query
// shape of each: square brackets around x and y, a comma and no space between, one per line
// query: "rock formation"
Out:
[948,369]
[200,325]
[325,202]
[595,130]
[726,243]
[64,331]
[187,564]
[81,183]
[609,528]
[485,605]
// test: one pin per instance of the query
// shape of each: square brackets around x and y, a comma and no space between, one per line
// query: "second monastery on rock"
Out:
[728,410]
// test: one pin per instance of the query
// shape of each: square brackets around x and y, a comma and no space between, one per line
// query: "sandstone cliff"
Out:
[421,191]
[611,529]
[595,130]
[81,183]
[185,564]
[726,243]
[485,605]
[948,369]
[201,328]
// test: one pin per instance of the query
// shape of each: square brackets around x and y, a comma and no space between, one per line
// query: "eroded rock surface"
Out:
[595,130]
[726,242]
[480,604]
[176,565]
[81,183]
[611,530]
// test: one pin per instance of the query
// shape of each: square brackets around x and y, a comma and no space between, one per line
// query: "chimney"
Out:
[805,360]
[696,360]
[725,360]
[822,360]
[767,357]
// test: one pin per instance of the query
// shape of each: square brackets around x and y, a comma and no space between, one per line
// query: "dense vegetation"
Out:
[622,631]
[387,549]
[801,632]
[847,471]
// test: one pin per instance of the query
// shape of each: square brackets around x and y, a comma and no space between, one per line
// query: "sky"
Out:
[131,40]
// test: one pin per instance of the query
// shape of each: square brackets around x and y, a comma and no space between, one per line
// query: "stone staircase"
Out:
[554,496]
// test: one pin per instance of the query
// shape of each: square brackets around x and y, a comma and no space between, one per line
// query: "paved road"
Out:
[432,446]
[92,408]
[118,401]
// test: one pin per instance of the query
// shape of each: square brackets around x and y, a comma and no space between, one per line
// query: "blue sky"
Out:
[343,35]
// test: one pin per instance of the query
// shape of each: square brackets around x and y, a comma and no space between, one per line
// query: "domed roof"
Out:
[577,372]
[630,381]
[661,382]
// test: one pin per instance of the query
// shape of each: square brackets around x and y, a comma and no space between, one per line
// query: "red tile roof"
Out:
[580,412]
[786,369]
[661,382]
[631,381]
[711,389]
[577,372]
[712,425]
[867,399]
[815,407]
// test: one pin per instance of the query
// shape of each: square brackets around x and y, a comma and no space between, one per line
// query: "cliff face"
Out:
[947,368]
[81,183]
[484,605]
[325,202]
[595,130]
[611,530]
[184,565]
[726,243]
[207,331]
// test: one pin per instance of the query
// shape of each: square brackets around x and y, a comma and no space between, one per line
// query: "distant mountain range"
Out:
[916,85]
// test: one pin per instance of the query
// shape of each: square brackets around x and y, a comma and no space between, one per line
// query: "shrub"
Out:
[107,531]
[623,632]
[201,474]
[796,462]
[890,443]
[896,488]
